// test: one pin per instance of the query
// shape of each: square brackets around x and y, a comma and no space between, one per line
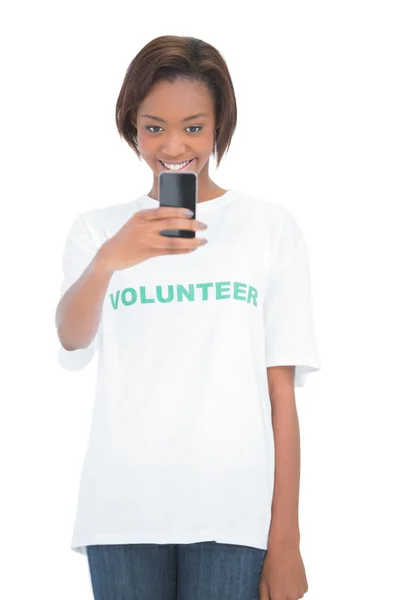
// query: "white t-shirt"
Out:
[181,447]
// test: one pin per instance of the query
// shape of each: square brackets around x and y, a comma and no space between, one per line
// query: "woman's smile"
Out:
[182,166]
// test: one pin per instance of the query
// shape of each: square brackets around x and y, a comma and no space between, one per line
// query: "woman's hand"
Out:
[139,238]
[283,575]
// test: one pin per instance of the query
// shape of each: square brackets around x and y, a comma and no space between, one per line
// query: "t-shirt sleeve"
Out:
[79,250]
[288,313]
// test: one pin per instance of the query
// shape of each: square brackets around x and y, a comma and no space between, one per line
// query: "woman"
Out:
[200,349]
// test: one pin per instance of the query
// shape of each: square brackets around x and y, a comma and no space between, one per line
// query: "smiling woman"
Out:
[177,107]
[182,484]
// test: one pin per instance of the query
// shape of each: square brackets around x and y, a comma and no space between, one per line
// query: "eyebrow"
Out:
[183,120]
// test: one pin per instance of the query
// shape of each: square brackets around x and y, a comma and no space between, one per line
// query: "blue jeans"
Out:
[199,571]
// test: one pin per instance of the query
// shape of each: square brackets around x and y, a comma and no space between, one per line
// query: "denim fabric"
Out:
[199,571]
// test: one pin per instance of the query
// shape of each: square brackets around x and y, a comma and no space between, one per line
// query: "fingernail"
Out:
[204,241]
[188,212]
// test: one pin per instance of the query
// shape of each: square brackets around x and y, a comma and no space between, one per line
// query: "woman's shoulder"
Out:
[276,214]
[111,216]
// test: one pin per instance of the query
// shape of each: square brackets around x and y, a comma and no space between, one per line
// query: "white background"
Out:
[317,87]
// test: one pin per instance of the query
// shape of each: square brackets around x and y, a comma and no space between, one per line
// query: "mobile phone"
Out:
[178,189]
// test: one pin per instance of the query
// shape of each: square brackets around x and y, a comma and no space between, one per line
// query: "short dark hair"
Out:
[170,58]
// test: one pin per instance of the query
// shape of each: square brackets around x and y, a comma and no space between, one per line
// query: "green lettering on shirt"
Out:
[193,292]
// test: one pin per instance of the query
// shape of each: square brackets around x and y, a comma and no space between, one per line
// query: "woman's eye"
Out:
[152,127]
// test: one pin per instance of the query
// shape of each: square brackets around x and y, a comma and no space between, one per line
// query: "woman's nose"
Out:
[173,145]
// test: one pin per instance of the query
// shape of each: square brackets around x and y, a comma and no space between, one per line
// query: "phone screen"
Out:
[178,189]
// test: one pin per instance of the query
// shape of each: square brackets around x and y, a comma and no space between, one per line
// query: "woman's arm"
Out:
[78,312]
[283,574]
[285,504]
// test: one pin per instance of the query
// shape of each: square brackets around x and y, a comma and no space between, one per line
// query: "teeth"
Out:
[175,167]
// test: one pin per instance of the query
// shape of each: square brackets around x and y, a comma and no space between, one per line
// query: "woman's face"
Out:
[176,123]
